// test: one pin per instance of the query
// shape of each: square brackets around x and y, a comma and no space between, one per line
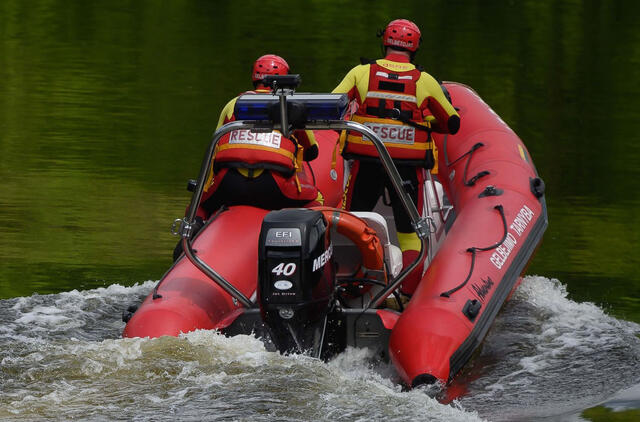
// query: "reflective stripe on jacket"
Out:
[388,84]
[244,149]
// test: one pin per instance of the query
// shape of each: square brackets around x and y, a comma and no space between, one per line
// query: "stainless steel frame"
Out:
[420,225]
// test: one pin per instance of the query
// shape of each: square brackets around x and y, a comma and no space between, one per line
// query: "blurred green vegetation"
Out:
[106,108]
[604,414]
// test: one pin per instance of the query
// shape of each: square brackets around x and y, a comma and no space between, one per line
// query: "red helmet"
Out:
[269,64]
[402,34]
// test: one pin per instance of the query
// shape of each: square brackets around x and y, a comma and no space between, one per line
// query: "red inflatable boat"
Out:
[321,279]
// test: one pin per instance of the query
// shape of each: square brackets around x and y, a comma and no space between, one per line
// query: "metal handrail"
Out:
[187,222]
[420,225]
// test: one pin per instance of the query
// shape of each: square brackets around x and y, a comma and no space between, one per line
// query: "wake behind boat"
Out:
[317,280]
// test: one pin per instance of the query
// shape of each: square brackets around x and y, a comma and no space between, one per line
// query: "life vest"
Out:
[389,90]
[258,150]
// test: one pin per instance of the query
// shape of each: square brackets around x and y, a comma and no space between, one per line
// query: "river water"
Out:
[106,109]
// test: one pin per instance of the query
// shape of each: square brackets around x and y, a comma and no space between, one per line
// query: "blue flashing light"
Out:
[266,106]
[254,107]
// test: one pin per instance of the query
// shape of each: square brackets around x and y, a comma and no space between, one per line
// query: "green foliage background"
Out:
[106,108]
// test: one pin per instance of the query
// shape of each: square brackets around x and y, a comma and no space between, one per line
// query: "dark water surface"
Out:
[107,107]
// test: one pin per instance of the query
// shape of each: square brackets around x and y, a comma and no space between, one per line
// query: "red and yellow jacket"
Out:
[394,83]
[251,153]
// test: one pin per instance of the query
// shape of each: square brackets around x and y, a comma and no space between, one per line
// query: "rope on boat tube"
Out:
[446,156]
[473,251]
[467,182]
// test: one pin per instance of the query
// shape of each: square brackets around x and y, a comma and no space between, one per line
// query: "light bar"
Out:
[267,106]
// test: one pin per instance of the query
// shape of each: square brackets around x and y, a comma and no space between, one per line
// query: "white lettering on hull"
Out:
[518,226]
[524,217]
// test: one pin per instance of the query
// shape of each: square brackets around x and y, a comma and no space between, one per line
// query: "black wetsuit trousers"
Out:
[370,182]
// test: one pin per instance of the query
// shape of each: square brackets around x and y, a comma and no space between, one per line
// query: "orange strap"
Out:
[338,146]
[280,151]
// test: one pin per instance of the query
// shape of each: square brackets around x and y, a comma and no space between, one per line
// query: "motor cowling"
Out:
[296,278]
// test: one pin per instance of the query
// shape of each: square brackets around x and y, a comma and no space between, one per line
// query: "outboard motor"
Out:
[297,279]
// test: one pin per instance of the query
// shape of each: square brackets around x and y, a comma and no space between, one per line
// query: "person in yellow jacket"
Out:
[266,169]
[402,104]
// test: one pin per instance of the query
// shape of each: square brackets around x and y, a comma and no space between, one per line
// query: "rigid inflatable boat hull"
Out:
[500,216]
[185,299]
